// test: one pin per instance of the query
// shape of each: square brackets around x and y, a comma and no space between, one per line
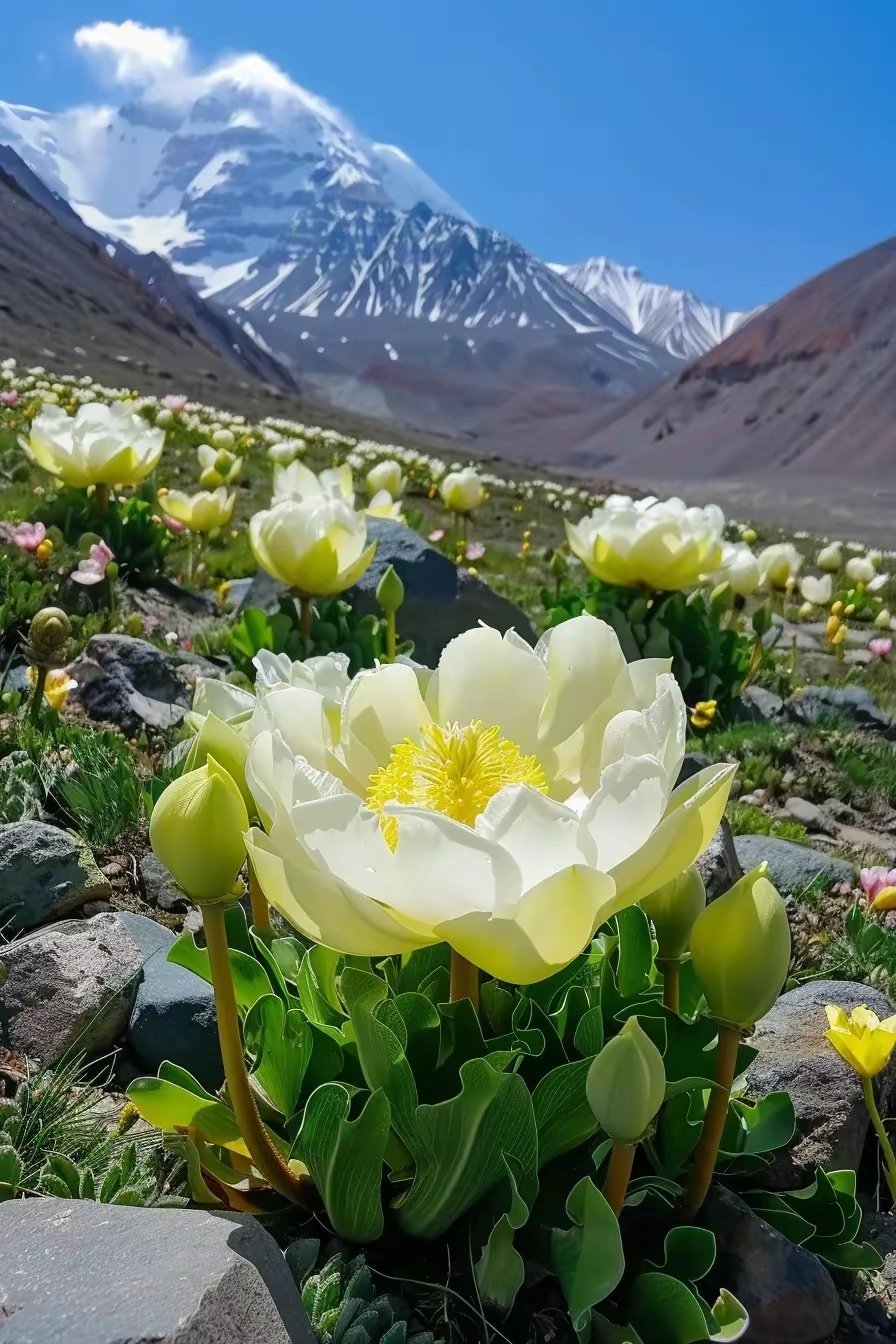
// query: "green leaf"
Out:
[345,1158]
[281,1044]
[688,1253]
[12,1169]
[563,1117]
[589,1033]
[173,1109]
[66,1170]
[587,1258]
[666,1311]
[635,951]
[770,1123]
[500,1269]
[250,979]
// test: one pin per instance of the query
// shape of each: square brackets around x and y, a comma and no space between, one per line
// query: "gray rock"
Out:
[44,872]
[174,1013]
[693,763]
[814,704]
[441,599]
[159,887]
[69,988]
[132,684]
[790,1296]
[791,867]
[75,1272]
[795,1057]
[810,815]
[757,705]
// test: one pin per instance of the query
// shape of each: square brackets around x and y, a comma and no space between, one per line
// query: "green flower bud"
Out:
[210,479]
[227,747]
[721,599]
[112,571]
[673,910]
[558,566]
[740,950]
[196,831]
[47,637]
[626,1084]
[223,462]
[762,621]
[390,591]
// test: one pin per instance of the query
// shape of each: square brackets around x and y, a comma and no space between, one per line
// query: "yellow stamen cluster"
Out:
[454,770]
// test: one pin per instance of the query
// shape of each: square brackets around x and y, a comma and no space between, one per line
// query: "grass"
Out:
[748,820]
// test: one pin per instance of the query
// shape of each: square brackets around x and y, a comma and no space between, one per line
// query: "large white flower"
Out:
[99,445]
[660,544]
[316,545]
[507,803]
[297,481]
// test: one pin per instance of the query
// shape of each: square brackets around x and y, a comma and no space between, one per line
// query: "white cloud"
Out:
[132,53]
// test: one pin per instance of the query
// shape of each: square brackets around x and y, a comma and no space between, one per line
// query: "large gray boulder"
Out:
[791,867]
[790,1296]
[795,1057]
[69,988]
[174,1012]
[75,1272]
[44,872]
[441,599]
[132,684]
[814,704]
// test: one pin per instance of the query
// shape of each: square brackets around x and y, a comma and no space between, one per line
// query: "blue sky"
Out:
[732,148]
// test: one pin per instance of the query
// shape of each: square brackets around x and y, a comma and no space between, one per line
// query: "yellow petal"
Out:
[885,899]
[836,1017]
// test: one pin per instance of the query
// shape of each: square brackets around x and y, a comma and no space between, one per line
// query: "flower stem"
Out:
[886,1147]
[669,968]
[707,1149]
[189,557]
[464,980]
[391,637]
[306,611]
[261,915]
[101,497]
[264,1155]
[619,1174]
[37,696]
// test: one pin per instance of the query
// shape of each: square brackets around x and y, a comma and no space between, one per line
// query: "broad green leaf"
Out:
[345,1159]
[173,1109]
[769,1124]
[688,1253]
[466,1142]
[635,951]
[563,1117]
[589,1033]
[729,1317]
[281,1044]
[199,1190]
[181,1077]
[250,979]
[587,1258]
[382,1057]
[666,1311]
[12,1170]
[607,1332]
[500,1269]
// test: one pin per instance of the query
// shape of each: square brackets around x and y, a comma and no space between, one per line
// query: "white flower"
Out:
[507,803]
[830,557]
[779,564]
[99,445]
[462,491]
[739,567]
[661,544]
[859,569]
[315,545]
[299,482]
[817,591]
[386,476]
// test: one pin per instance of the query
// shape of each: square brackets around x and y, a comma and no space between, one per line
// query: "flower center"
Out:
[453,770]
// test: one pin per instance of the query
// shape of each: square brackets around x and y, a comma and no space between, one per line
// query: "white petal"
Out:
[626,809]
[298,715]
[584,660]
[381,708]
[541,836]
[498,681]
[443,867]
[345,839]
[219,697]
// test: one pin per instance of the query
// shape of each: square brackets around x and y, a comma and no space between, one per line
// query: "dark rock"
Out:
[757,705]
[44,872]
[132,684]
[814,704]
[790,1296]
[441,599]
[160,888]
[75,1272]
[693,763]
[174,1012]
[791,867]
[795,1057]
[69,988]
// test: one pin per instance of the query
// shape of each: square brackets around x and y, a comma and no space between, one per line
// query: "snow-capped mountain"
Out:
[676,319]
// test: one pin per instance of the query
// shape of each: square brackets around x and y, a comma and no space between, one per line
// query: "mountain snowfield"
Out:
[675,319]
[343,258]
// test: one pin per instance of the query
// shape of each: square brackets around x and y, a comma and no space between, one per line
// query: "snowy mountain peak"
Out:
[679,321]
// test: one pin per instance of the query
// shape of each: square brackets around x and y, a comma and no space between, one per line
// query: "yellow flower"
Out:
[56,687]
[202,512]
[703,713]
[44,551]
[861,1039]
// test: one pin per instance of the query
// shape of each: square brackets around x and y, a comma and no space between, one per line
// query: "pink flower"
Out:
[93,569]
[9,398]
[475,550]
[28,536]
[880,647]
[172,524]
[437,534]
[174,402]
[879,886]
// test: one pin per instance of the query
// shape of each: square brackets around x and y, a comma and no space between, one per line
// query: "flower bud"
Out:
[210,479]
[673,909]
[626,1084]
[806,611]
[762,621]
[227,747]
[749,535]
[883,620]
[222,438]
[740,950]
[43,551]
[558,566]
[390,591]
[47,636]
[196,831]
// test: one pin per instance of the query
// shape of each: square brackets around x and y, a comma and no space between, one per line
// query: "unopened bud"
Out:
[47,637]
[390,591]
[626,1084]
[673,910]
[196,831]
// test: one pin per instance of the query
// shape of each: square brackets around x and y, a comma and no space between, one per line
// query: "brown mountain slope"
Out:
[807,389]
